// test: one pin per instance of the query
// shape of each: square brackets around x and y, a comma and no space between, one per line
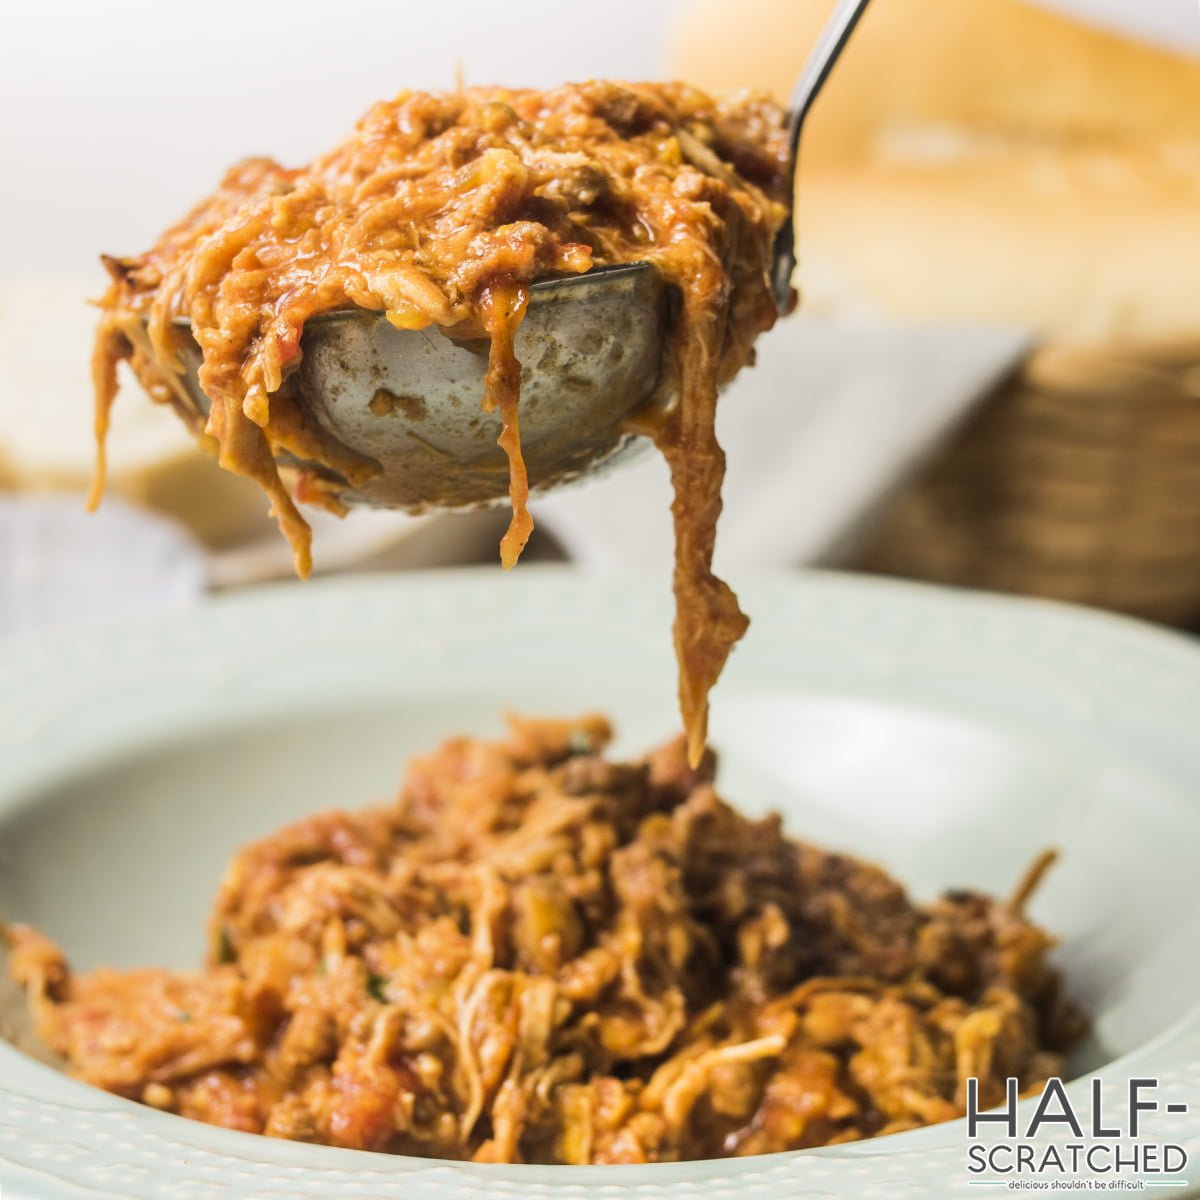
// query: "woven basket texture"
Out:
[1078,480]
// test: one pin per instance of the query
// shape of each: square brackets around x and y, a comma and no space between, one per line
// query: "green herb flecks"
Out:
[375,987]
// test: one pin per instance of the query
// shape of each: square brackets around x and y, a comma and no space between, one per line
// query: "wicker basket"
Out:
[1079,480]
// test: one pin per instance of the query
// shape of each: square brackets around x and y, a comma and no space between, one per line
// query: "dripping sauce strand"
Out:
[242,446]
[501,309]
[708,620]
[106,355]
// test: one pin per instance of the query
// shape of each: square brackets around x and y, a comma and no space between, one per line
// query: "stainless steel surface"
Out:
[590,348]
[826,52]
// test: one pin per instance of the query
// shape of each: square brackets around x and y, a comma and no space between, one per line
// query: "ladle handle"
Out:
[830,44]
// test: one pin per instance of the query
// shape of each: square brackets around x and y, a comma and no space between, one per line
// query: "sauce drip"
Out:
[708,621]
[502,309]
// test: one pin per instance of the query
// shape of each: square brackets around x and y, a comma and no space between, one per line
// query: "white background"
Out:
[142,102]
[115,115]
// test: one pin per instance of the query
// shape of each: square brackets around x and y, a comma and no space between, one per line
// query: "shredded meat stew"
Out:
[540,955]
[442,210]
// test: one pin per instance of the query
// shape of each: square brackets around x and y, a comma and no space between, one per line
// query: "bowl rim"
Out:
[45,1117]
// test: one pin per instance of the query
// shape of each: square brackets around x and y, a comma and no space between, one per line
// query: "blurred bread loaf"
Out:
[46,438]
[982,160]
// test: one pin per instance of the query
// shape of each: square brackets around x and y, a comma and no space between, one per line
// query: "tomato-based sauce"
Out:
[442,211]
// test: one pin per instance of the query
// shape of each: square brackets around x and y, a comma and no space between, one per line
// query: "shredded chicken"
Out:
[442,210]
[539,955]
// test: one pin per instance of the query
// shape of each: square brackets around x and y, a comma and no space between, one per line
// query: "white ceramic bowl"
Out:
[950,737]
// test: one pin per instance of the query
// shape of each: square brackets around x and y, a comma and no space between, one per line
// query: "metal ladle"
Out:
[590,348]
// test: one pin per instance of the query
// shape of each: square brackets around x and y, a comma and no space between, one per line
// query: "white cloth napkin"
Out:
[60,566]
[818,434]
